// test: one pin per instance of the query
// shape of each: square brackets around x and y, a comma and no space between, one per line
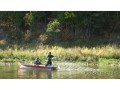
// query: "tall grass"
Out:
[83,54]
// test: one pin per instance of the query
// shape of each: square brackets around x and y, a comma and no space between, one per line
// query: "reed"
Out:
[79,54]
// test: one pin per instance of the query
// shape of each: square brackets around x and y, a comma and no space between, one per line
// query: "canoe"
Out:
[23,65]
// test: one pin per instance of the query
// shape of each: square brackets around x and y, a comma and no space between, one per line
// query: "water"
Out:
[65,71]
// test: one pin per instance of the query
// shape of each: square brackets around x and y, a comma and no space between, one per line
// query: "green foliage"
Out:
[85,24]
[66,16]
[53,30]
[38,16]
[86,28]
[17,17]
[53,26]
[28,36]
[29,18]
[76,54]
[5,15]
[108,61]
[69,15]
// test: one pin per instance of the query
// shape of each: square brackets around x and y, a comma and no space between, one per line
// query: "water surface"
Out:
[65,71]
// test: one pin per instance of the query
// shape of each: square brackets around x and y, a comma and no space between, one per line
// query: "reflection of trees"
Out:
[39,74]
[24,73]
[35,74]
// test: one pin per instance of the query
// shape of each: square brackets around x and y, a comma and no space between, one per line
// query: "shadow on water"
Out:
[35,74]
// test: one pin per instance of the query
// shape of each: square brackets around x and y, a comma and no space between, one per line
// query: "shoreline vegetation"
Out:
[89,37]
[104,55]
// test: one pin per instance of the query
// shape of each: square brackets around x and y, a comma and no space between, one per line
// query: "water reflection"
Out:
[49,74]
[65,71]
[35,74]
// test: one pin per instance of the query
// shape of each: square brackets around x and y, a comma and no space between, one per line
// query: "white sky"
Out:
[58,5]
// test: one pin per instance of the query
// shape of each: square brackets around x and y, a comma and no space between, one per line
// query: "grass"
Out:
[106,54]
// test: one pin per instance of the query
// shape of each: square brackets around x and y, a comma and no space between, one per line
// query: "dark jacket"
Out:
[49,62]
[50,57]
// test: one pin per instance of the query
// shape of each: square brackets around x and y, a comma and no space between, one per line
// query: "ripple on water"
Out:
[74,66]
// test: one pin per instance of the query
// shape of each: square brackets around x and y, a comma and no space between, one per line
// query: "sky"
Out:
[59,5]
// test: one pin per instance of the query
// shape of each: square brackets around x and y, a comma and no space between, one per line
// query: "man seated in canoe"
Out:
[49,56]
[37,62]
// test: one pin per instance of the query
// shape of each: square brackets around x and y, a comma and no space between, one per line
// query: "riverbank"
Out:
[106,54]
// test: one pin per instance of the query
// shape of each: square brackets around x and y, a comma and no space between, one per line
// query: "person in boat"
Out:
[37,62]
[49,56]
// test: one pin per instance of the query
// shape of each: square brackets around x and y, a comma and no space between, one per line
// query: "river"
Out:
[65,70]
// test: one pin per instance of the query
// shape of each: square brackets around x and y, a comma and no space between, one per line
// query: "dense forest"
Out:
[71,35]
[60,27]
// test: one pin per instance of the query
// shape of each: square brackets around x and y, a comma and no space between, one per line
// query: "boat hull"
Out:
[22,65]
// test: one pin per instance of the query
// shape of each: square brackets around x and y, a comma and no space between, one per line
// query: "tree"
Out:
[53,30]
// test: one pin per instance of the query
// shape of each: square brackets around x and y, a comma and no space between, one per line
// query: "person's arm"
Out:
[52,56]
